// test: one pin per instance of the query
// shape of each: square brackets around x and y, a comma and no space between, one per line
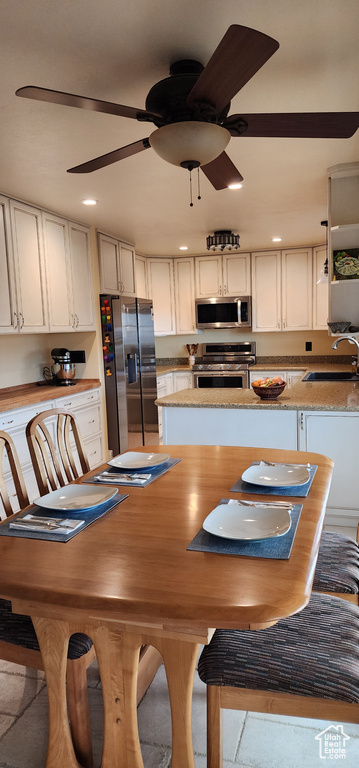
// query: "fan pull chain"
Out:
[198,186]
[190,189]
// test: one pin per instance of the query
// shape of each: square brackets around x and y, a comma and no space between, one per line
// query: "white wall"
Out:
[272,344]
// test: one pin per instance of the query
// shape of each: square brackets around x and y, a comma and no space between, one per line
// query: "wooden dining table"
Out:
[128,580]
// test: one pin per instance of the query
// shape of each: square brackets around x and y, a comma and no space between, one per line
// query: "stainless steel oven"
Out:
[219,379]
[224,366]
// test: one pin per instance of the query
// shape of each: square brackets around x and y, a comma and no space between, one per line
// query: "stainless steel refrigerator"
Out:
[130,372]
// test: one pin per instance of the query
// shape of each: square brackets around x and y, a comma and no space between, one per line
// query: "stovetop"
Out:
[227,357]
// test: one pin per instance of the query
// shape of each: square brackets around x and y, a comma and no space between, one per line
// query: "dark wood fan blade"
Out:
[240,54]
[111,157]
[83,102]
[221,172]
[311,125]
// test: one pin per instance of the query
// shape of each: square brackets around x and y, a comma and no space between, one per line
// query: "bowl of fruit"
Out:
[269,388]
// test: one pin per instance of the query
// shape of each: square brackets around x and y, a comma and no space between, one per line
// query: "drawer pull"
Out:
[66,404]
[9,422]
[92,421]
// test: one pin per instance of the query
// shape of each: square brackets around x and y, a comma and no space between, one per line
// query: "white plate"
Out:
[75,497]
[278,476]
[134,460]
[234,521]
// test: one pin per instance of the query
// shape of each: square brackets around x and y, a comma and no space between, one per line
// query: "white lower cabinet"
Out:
[164,387]
[294,376]
[291,377]
[335,434]
[87,410]
[182,380]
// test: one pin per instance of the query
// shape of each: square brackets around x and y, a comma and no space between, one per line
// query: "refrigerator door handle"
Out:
[132,367]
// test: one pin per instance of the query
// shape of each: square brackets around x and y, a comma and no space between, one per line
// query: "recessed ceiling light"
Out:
[89,201]
[183,248]
[276,239]
[235,186]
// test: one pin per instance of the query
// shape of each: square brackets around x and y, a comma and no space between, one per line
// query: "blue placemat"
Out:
[294,490]
[89,515]
[155,473]
[274,549]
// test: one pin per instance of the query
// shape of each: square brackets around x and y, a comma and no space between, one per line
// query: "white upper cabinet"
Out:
[117,266]
[8,312]
[184,295]
[141,277]
[30,278]
[127,269]
[282,290]
[223,275]
[320,290]
[108,255]
[266,291]
[81,277]
[69,275]
[297,289]
[161,291]
[236,271]
[57,249]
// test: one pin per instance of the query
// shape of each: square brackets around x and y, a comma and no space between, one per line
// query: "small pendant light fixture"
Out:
[323,277]
[222,239]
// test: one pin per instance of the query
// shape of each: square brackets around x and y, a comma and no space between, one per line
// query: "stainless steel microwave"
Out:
[224,312]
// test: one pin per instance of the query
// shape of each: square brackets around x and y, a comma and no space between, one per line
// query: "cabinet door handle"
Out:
[16,321]
[78,321]
[92,421]
[278,324]
[284,323]
[22,320]
[302,421]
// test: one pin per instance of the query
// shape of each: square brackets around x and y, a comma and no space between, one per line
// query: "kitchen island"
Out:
[310,416]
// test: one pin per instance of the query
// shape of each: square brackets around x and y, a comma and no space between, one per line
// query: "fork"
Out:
[284,504]
[282,464]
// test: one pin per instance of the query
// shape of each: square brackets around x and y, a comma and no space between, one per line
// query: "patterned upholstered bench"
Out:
[306,665]
[337,568]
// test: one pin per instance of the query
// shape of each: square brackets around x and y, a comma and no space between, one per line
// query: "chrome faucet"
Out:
[352,340]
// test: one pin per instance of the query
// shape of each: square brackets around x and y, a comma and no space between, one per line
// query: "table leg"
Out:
[118,655]
[180,659]
[53,637]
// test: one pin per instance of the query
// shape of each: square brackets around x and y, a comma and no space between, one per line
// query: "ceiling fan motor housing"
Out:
[168,97]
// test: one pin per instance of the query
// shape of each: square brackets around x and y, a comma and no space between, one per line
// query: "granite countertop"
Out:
[30,394]
[317,396]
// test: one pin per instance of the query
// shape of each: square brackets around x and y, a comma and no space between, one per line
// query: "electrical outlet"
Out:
[308,346]
[110,454]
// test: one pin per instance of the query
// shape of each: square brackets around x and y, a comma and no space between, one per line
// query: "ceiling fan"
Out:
[190,109]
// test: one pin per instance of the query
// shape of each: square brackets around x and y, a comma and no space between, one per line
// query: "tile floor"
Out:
[250,740]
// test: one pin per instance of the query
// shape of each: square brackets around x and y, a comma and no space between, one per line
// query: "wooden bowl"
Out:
[269,393]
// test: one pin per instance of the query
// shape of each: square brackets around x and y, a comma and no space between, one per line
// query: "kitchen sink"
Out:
[331,376]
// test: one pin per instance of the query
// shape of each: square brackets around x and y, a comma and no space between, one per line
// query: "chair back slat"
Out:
[56,463]
[7,444]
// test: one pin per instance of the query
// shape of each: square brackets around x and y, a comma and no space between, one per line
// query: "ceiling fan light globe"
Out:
[178,143]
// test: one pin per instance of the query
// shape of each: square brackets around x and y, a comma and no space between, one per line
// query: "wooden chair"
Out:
[304,666]
[18,641]
[56,461]
[337,569]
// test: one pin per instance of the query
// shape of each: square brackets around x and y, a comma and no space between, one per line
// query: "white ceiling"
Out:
[116,50]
